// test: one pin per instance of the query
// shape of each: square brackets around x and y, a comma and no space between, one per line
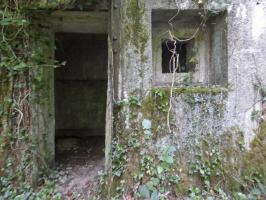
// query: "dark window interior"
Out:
[170,50]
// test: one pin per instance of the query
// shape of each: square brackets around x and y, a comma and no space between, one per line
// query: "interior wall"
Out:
[219,63]
[80,85]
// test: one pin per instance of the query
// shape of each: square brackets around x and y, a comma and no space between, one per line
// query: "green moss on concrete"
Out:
[136,31]
[240,170]
[225,154]
[193,90]
[254,161]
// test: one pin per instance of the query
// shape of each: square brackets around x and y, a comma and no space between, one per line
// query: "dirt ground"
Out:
[78,162]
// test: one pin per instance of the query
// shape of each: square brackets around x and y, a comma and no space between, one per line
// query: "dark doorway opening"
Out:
[80,106]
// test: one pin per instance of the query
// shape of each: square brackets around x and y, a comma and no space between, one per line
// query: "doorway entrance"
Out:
[80,106]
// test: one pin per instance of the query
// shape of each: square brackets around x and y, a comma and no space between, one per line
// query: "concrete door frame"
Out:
[94,22]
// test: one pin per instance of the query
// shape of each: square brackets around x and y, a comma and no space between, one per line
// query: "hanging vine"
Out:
[22,51]
[157,172]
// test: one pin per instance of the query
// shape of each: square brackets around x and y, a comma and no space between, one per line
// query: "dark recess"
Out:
[170,50]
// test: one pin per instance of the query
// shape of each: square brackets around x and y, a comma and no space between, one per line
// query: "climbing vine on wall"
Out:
[141,136]
[23,48]
[152,161]
[148,163]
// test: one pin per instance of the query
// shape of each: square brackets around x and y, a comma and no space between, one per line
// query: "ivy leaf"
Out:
[172,149]
[146,124]
[147,132]
[149,185]
[155,195]
[144,191]
[155,181]
[168,159]
[20,66]
[11,21]
[159,169]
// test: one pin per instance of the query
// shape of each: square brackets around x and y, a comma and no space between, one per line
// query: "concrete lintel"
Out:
[79,21]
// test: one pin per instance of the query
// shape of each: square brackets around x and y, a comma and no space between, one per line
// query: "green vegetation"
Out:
[24,53]
[146,160]
[213,166]
[136,32]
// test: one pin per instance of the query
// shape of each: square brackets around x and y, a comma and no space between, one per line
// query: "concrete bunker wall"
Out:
[219,65]
[201,109]
[132,80]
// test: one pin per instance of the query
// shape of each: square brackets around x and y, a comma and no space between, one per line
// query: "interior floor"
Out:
[80,107]
[78,161]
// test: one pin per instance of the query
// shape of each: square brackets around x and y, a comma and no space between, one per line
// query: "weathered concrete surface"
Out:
[196,116]
[241,63]
[79,22]
[246,62]
[236,56]
[42,105]
[243,56]
[238,41]
[85,5]
[133,69]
